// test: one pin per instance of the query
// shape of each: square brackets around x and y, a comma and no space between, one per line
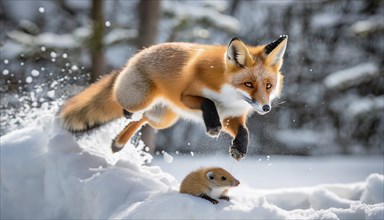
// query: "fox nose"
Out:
[266,108]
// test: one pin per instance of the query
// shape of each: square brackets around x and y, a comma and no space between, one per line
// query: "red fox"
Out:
[218,85]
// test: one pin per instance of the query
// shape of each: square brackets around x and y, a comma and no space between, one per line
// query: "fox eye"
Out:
[249,84]
[223,178]
[268,86]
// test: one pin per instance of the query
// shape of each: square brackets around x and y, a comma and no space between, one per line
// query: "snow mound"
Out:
[47,174]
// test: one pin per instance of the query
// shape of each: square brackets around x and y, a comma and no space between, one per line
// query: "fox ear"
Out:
[237,52]
[275,51]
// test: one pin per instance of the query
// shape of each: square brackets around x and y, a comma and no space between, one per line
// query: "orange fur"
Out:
[170,80]
[92,107]
[231,125]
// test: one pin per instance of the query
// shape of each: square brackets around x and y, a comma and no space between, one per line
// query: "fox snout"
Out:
[266,108]
[261,109]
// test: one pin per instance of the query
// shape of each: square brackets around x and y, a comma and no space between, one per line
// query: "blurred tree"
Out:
[325,37]
[234,5]
[96,41]
[64,5]
[149,15]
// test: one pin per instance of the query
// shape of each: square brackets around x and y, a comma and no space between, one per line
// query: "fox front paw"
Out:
[214,131]
[239,147]
[236,154]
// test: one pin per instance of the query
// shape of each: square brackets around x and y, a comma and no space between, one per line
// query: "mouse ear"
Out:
[210,175]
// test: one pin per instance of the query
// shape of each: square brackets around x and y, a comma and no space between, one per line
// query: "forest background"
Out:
[332,102]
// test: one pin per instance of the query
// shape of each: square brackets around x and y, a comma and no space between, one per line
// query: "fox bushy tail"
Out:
[92,107]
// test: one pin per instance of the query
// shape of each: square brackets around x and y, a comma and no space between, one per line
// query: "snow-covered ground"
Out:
[46,173]
[274,172]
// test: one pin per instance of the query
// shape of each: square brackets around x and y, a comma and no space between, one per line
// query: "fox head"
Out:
[255,71]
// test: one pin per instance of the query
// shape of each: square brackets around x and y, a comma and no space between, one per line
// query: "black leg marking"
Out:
[127,114]
[204,196]
[211,117]
[239,147]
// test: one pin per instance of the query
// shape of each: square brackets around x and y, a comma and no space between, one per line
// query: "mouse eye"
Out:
[210,175]
[223,178]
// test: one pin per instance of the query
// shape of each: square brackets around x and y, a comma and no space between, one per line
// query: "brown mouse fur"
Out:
[209,183]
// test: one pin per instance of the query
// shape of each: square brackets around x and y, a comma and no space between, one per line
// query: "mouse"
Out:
[210,183]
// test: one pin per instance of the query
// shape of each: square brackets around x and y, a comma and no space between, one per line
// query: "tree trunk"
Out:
[149,15]
[96,42]
[233,7]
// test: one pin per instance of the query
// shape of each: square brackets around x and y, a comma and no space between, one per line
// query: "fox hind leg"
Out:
[123,137]
[135,93]
[161,116]
[158,117]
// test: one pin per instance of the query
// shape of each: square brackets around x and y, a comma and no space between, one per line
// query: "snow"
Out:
[136,116]
[28,79]
[35,73]
[51,94]
[41,10]
[364,106]
[368,26]
[352,76]
[74,68]
[325,20]
[5,72]
[52,40]
[53,54]
[167,158]
[118,34]
[46,173]
[194,13]
[303,139]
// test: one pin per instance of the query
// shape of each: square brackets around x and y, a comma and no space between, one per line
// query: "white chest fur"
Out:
[229,101]
[216,192]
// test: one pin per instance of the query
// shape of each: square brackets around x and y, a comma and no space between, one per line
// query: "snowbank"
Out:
[47,174]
